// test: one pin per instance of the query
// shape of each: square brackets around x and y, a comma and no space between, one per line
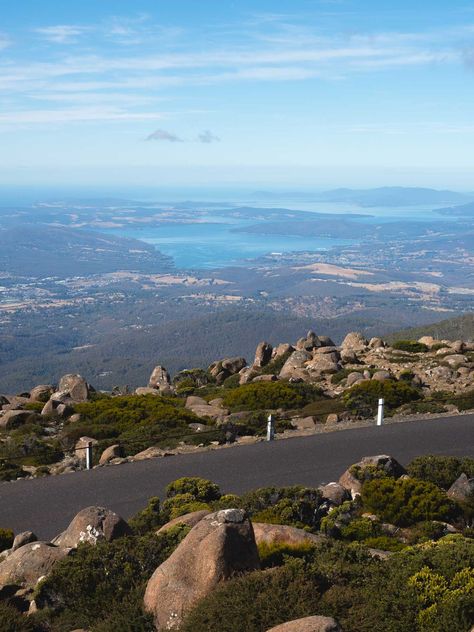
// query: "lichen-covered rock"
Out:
[41,393]
[92,525]
[294,366]
[355,341]
[219,546]
[335,493]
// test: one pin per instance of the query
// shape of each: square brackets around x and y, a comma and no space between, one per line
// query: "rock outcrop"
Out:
[92,525]
[29,563]
[353,476]
[219,546]
[462,489]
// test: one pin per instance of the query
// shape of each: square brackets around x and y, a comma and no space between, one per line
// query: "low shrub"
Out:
[10,471]
[440,470]
[95,581]
[13,621]
[275,554]
[270,395]
[410,346]
[295,506]
[148,518]
[405,502]
[362,398]
[199,488]
[384,543]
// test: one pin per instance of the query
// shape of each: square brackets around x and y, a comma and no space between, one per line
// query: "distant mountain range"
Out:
[382,196]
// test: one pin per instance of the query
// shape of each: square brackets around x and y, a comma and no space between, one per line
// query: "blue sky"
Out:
[202,92]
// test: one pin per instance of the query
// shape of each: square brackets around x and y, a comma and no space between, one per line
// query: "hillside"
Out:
[459,328]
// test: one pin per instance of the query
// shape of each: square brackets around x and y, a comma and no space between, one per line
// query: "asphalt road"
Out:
[47,505]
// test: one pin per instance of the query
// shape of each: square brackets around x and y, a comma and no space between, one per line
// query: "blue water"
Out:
[215,245]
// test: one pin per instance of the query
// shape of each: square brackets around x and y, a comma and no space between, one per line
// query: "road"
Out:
[46,505]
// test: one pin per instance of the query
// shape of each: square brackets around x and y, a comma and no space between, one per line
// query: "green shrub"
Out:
[232,382]
[199,488]
[13,621]
[256,602]
[6,539]
[10,471]
[340,517]
[360,529]
[296,506]
[93,582]
[384,543]
[148,518]
[275,554]
[440,470]
[406,501]
[463,401]
[270,395]
[362,398]
[410,346]
[180,505]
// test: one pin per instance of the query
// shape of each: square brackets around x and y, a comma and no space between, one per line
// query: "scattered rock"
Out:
[353,378]
[25,566]
[388,464]
[455,361]
[188,520]
[11,419]
[160,379]
[75,386]
[308,624]
[263,354]
[41,393]
[376,343]
[332,419]
[147,390]
[335,493]
[354,341]
[92,525]
[283,534]
[26,537]
[382,376]
[462,489]
[265,378]
[112,452]
[303,423]
[150,453]
[221,545]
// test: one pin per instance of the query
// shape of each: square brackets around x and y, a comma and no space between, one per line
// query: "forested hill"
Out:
[460,328]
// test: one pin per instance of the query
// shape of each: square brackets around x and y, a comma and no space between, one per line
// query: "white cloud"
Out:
[62,33]
[74,115]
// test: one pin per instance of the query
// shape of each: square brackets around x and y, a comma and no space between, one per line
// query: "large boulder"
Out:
[294,366]
[308,624]
[112,452]
[282,349]
[11,419]
[324,363]
[41,393]
[76,387]
[188,520]
[354,341]
[263,354]
[222,369]
[462,489]
[335,493]
[92,525]
[283,534]
[353,477]
[160,379]
[29,563]
[202,409]
[221,545]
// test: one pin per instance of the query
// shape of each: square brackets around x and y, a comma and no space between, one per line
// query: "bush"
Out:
[404,502]
[257,601]
[10,471]
[360,529]
[277,553]
[384,543]
[440,470]
[147,519]
[362,398]
[295,506]
[6,539]
[94,582]
[270,395]
[13,621]
[180,505]
[410,346]
[199,488]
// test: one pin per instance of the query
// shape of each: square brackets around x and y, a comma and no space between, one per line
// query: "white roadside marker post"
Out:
[89,456]
[270,429]
[380,413]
